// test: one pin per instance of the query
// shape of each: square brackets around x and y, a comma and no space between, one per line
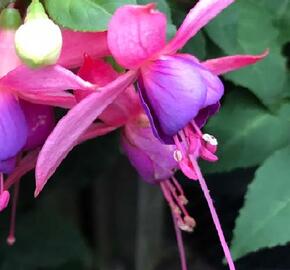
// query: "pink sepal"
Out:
[48,79]
[69,129]
[135,34]
[227,64]
[198,17]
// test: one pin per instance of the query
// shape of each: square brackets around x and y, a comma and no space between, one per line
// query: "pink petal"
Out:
[96,130]
[76,44]
[58,99]
[73,125]
[135,34]
[198,17]
[24,166]
[230,63]
[97,72]
[9,59]
[53,78]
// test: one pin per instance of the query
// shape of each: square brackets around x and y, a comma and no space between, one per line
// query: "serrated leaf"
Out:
[85,15]
[248,27]
[247,132]
[264,219]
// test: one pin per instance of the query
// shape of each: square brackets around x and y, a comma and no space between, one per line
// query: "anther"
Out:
[189,221]
[183,200]
[184,227]
[210,139]
[177,155]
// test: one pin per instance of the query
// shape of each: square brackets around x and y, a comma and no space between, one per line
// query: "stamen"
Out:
[210,139]
[177,185]
[11,237]
[176,197]
[177,155]
[196,128]
[179,145]
[176,203]
[179,243]
[1,183]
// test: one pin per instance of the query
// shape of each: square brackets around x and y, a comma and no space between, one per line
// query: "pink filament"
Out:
[11,236]
[179,243]
[1,183]
[214,215]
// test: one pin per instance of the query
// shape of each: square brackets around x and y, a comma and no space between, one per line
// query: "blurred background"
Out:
[96,213]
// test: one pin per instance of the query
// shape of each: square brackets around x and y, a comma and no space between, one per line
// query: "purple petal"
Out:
[153,160]
[205,113]
[172,91]
[13,128]
[139,160]
[8,165]
[215,88]
[40,122]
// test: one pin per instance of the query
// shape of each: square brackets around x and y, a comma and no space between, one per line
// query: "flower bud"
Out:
[38,41]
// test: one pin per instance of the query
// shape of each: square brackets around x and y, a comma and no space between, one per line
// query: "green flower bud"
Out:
[38,41]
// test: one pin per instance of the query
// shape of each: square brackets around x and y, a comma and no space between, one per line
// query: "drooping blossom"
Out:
[46,86]
[26,100]
[155,163]
[177,91]
[153,160]
[76,124]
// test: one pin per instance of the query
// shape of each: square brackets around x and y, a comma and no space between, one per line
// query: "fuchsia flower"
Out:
[24,125]
[177,92]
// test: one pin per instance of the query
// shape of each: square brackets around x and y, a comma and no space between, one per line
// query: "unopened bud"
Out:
[38,41]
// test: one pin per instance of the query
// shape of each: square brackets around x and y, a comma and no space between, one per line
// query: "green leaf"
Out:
[247,27]
[247,132]
[264,219]
[85,15]
[196,46]
[44,239]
